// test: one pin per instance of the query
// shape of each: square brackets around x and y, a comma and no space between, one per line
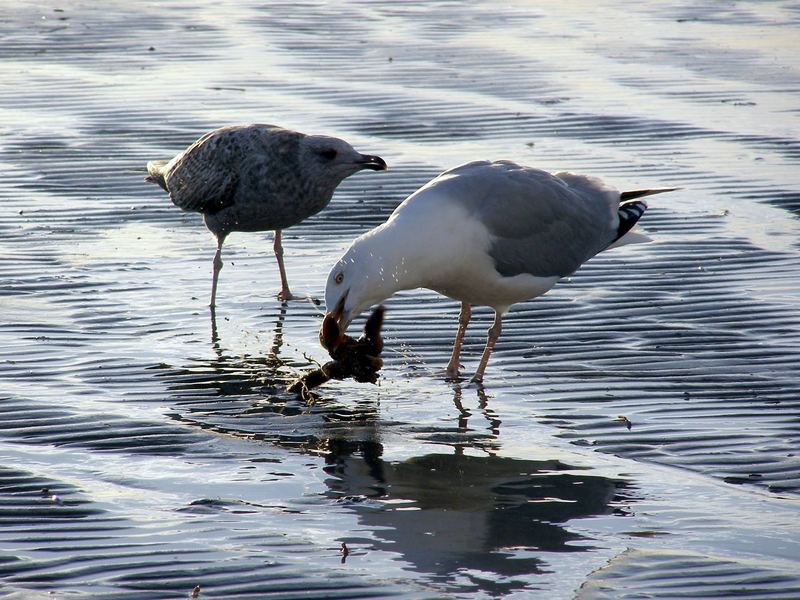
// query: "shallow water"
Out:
[147,448]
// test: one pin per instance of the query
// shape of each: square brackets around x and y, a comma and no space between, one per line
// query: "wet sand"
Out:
[147,449]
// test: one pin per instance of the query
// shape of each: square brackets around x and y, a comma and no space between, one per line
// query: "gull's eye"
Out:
[328,154]
[339,277]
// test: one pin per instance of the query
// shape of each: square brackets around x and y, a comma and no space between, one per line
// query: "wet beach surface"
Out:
[146,448]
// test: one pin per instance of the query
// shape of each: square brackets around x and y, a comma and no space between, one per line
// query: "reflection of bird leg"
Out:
[266,369]
[285,294]
[272,360]
[463,413]
[214,331]
[277,339]
[483,404]
[488,444]
[488,413]
[216,344]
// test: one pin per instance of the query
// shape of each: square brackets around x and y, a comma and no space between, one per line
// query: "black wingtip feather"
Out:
[629,213]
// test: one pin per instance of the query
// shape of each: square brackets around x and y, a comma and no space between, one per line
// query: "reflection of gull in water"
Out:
[245,395]
[272,362]
[488,233]
[228,374]
[450,513]
[257,178]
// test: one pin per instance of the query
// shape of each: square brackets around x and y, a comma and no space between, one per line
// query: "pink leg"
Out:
[284,294]
[216,268]
[463,321]
[494,334]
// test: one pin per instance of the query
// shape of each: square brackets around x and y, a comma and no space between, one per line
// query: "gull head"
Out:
[361,278]
[331,159]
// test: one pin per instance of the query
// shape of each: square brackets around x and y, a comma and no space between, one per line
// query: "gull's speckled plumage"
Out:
[257,178]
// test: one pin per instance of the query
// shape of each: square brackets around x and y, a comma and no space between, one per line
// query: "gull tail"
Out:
[155,173]
[630,211]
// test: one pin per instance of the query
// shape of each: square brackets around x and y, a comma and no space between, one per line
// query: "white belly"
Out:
[498,292]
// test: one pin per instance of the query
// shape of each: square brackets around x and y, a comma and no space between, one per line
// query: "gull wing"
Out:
[205,177]
[540,224]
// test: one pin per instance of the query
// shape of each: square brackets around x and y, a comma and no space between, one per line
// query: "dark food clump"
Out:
[356,358]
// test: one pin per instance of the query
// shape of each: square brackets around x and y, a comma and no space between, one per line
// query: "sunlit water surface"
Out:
[148,448]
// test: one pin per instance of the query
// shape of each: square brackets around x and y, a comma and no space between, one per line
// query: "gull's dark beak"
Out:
[376,163]
[341,315]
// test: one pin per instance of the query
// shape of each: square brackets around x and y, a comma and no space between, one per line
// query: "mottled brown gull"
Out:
[487,233]
[257,178]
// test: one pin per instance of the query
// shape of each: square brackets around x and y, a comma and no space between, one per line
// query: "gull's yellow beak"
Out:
[341,315]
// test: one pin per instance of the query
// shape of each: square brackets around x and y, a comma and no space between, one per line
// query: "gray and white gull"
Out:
[486,233]
[257,178]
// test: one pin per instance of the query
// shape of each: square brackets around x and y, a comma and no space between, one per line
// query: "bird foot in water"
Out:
[451,373]
[356,358]
[477,381]
[286,296]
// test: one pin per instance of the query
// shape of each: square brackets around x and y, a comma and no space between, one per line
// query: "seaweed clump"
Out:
[356,358]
